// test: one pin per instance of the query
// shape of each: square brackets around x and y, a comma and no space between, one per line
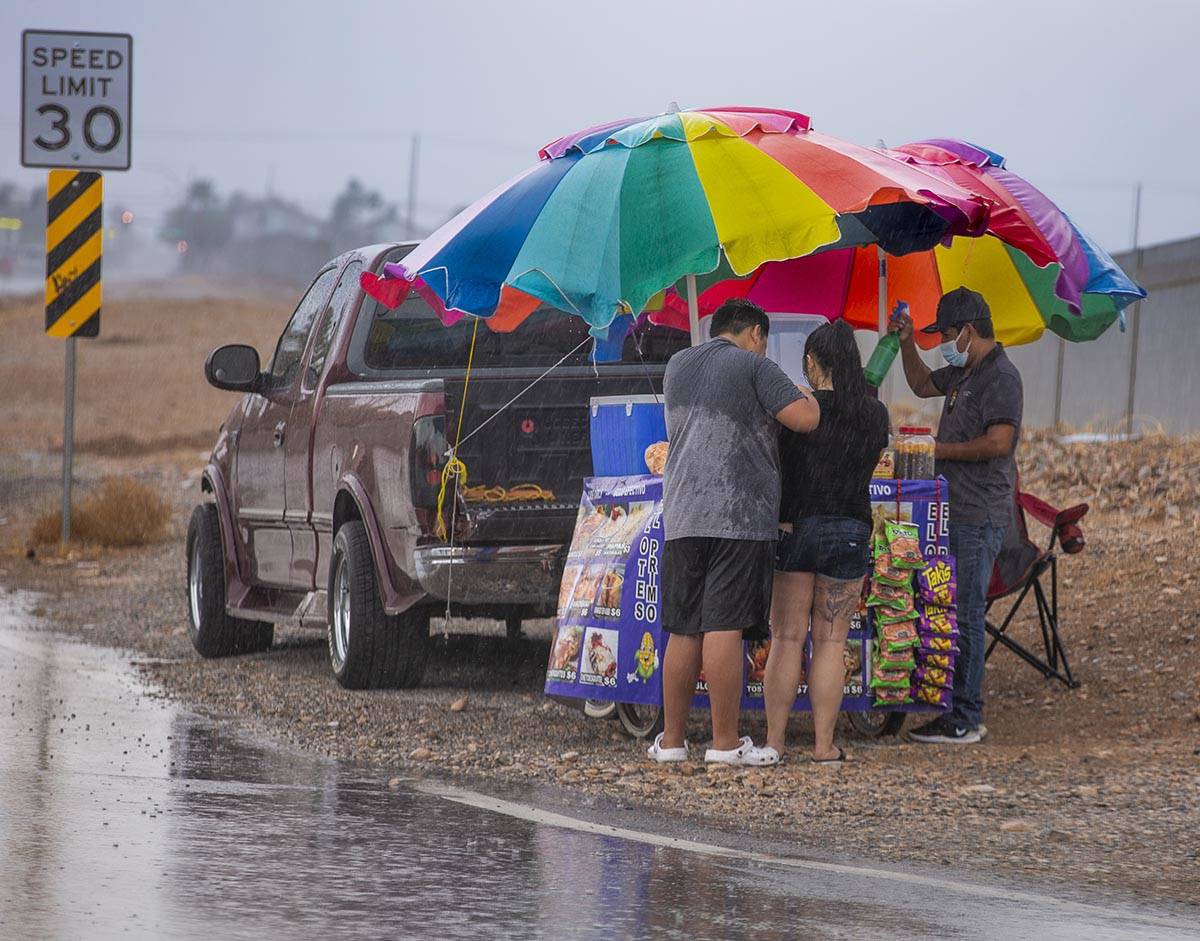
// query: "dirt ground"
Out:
[147,342]
[1096,787]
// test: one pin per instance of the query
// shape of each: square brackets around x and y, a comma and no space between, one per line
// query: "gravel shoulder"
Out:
[1096,788]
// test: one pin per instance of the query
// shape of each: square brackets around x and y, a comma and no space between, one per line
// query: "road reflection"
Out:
[122,814]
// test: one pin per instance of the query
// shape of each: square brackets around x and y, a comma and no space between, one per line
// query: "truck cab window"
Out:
[411,337]
[343,297]
[290,348]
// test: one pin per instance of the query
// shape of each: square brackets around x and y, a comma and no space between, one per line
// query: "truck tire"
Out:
[369,649]
[213,632]
[875,723]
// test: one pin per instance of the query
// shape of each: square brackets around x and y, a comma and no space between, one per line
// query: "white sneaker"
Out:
[744,754]
[664,755]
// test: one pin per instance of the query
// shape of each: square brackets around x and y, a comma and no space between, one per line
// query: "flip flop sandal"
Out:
[665,755]
[840,759]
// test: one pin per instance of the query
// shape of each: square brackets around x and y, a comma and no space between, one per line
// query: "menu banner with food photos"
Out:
[608,634]
[608,641]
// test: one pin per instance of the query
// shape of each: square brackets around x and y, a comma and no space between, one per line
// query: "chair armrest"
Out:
[1073,515]
[1038,508]
[1048,515]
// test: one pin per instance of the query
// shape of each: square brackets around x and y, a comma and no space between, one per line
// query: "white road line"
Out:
[939,883]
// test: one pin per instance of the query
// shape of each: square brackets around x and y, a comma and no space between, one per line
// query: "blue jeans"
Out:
[974,549]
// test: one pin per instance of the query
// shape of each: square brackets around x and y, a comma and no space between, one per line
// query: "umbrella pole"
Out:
[693,310]
[885,391]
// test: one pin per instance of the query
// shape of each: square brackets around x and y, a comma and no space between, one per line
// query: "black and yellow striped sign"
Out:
[74,203]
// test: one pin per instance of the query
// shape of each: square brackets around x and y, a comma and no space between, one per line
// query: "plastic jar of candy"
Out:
[914,453]
[886,466]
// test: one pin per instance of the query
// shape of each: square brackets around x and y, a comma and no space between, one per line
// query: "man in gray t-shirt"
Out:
[976,441]
[725,402]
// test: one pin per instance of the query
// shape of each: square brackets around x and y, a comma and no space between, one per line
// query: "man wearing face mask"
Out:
[976,440]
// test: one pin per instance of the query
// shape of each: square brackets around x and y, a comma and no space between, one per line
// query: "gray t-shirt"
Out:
[980,491]
[722,476]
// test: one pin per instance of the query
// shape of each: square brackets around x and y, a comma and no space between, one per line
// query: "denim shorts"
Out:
[833,546]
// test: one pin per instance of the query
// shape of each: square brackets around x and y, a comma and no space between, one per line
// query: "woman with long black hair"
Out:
[824,541]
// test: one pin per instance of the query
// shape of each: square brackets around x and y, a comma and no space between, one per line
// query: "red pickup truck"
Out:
[325,476]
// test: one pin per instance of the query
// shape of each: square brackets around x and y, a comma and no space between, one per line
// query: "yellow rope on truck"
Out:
[519,494]
[454,467]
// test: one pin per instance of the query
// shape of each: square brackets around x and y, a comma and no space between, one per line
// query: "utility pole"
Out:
[410,221]
[1058,384]
[1135,315]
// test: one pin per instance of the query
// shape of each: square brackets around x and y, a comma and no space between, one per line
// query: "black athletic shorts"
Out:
[712,584]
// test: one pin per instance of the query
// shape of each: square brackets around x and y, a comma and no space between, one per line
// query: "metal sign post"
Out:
[74,209]
[68,440]
[76,97]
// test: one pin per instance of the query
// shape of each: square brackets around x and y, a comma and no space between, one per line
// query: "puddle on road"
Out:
[122,813]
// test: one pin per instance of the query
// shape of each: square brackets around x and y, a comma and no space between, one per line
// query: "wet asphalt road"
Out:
[124,815]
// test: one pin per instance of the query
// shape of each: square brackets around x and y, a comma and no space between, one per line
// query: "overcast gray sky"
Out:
[1084,98]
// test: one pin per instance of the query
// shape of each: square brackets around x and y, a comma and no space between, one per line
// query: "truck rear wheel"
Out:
[369,649]
[213,632]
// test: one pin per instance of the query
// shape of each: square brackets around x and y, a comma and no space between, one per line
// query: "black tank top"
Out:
[826,471]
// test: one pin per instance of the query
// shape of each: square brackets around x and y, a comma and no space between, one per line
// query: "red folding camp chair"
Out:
[1019,571]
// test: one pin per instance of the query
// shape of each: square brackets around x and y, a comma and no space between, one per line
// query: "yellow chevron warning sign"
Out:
[74,204]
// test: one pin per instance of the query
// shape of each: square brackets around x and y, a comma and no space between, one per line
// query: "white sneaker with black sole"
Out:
[943,732]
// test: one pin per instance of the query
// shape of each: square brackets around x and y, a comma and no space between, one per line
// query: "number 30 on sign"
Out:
[75,99]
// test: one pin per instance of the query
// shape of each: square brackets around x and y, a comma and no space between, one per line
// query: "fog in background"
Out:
[294,99]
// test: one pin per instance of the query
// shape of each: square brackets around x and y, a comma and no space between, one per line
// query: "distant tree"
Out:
[360,216]
[33,218]
[201,220]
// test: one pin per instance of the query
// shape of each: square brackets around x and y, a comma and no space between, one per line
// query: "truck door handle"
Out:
[278,435]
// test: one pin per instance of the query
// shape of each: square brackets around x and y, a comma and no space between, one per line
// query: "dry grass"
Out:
[120,513]
[140,386]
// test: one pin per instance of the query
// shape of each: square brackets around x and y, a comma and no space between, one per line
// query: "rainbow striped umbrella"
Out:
[611,216]
[1034,266]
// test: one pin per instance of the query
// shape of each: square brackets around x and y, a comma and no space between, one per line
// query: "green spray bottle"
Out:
[885,352]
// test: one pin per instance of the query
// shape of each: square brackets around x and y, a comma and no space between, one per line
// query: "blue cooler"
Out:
[623,426]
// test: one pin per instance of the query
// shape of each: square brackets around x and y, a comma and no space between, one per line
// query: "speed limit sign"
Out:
[76,90]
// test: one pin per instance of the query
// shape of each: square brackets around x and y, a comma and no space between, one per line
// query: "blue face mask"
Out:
[952,354]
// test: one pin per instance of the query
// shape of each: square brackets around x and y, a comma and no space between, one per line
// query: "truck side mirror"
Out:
[234,368]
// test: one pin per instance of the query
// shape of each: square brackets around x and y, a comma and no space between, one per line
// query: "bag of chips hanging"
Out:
[901,659]
[932,658]
[884,594]
[895,679]
[904,544]
[934,619]
[934,676]
[897,636]
[939,643]
[936,583]
[888,573]
[892,616]
[933,696]
[891,696]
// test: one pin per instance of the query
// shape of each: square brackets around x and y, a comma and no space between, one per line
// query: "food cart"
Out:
[608,642]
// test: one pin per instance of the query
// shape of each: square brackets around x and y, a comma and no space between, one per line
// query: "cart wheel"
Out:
[640,721]
[599,709]
[876,724]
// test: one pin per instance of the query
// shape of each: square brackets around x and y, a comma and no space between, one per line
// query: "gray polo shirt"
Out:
[722,475]
[980,491]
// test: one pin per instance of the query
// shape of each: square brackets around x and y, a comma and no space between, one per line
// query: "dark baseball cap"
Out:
[962,305]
